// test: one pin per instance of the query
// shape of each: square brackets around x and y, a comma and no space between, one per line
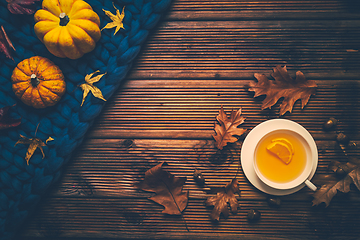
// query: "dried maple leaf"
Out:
[89,86]
[5,44]
[33,143]
[168,189]
[5,120]
[117,20]
[220,202]
[21,6]
[227,128]
[283,86]
[330,189]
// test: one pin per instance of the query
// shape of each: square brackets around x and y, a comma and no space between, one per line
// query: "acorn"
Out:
[253,215]
[330,124]
[274,201]
[340,173]
[199,178]
[342,138]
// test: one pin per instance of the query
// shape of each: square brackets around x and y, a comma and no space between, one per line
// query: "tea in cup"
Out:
[283,160]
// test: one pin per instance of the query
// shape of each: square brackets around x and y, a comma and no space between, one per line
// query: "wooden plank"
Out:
[235,49]
[230,10]
[139,218]
[111,167]
[187,109]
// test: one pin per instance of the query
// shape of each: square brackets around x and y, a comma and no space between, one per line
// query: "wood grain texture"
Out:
[225,9]
[235,49]
[187,108]
[202,55]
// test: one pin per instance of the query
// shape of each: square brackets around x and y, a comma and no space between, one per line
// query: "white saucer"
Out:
[252,139]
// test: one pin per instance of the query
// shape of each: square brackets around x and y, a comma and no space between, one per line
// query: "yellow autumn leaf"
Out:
[33,143]
[88,86]
[116,19]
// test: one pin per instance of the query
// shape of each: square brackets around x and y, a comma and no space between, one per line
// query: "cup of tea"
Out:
[284,155]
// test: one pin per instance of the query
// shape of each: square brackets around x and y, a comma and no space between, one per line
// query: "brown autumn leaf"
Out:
[331,188]
[21,6]
[117,20]
[5,120]
[220,202]
[5,44]
[227,128]
[283,86]
[168,189]
[88,86]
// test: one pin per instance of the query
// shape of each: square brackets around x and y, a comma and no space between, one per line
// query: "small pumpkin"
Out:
[38,82]
[68,28]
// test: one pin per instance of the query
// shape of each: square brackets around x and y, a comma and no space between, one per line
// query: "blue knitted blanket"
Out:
[22,185]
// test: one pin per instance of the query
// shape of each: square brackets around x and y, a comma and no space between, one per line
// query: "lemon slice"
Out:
[284,140]
[281,150]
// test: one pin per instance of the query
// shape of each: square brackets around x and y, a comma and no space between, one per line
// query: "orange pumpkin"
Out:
[38,82]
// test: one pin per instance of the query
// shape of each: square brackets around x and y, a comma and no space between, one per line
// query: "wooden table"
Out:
[201,56]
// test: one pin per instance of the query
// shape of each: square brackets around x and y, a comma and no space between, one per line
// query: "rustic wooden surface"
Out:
[202,55]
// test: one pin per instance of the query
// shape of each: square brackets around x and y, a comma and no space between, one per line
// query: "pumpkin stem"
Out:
[34,80]
[64,19]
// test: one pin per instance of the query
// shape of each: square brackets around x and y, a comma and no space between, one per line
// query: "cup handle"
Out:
[310,185]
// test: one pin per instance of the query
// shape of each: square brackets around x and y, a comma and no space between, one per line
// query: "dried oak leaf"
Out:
[220,202]
[21,6]
[5,120]
[168,189]
[283,86]
[330,189]
[227,128]
[5,44]
[89,86]
[117,20]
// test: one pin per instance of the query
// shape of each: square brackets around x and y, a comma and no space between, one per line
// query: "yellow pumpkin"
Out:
[38,82]
[68,28]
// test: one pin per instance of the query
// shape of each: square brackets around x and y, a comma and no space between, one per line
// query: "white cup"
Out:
[304,176]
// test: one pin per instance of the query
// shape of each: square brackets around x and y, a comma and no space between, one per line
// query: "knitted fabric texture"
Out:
[22,185]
